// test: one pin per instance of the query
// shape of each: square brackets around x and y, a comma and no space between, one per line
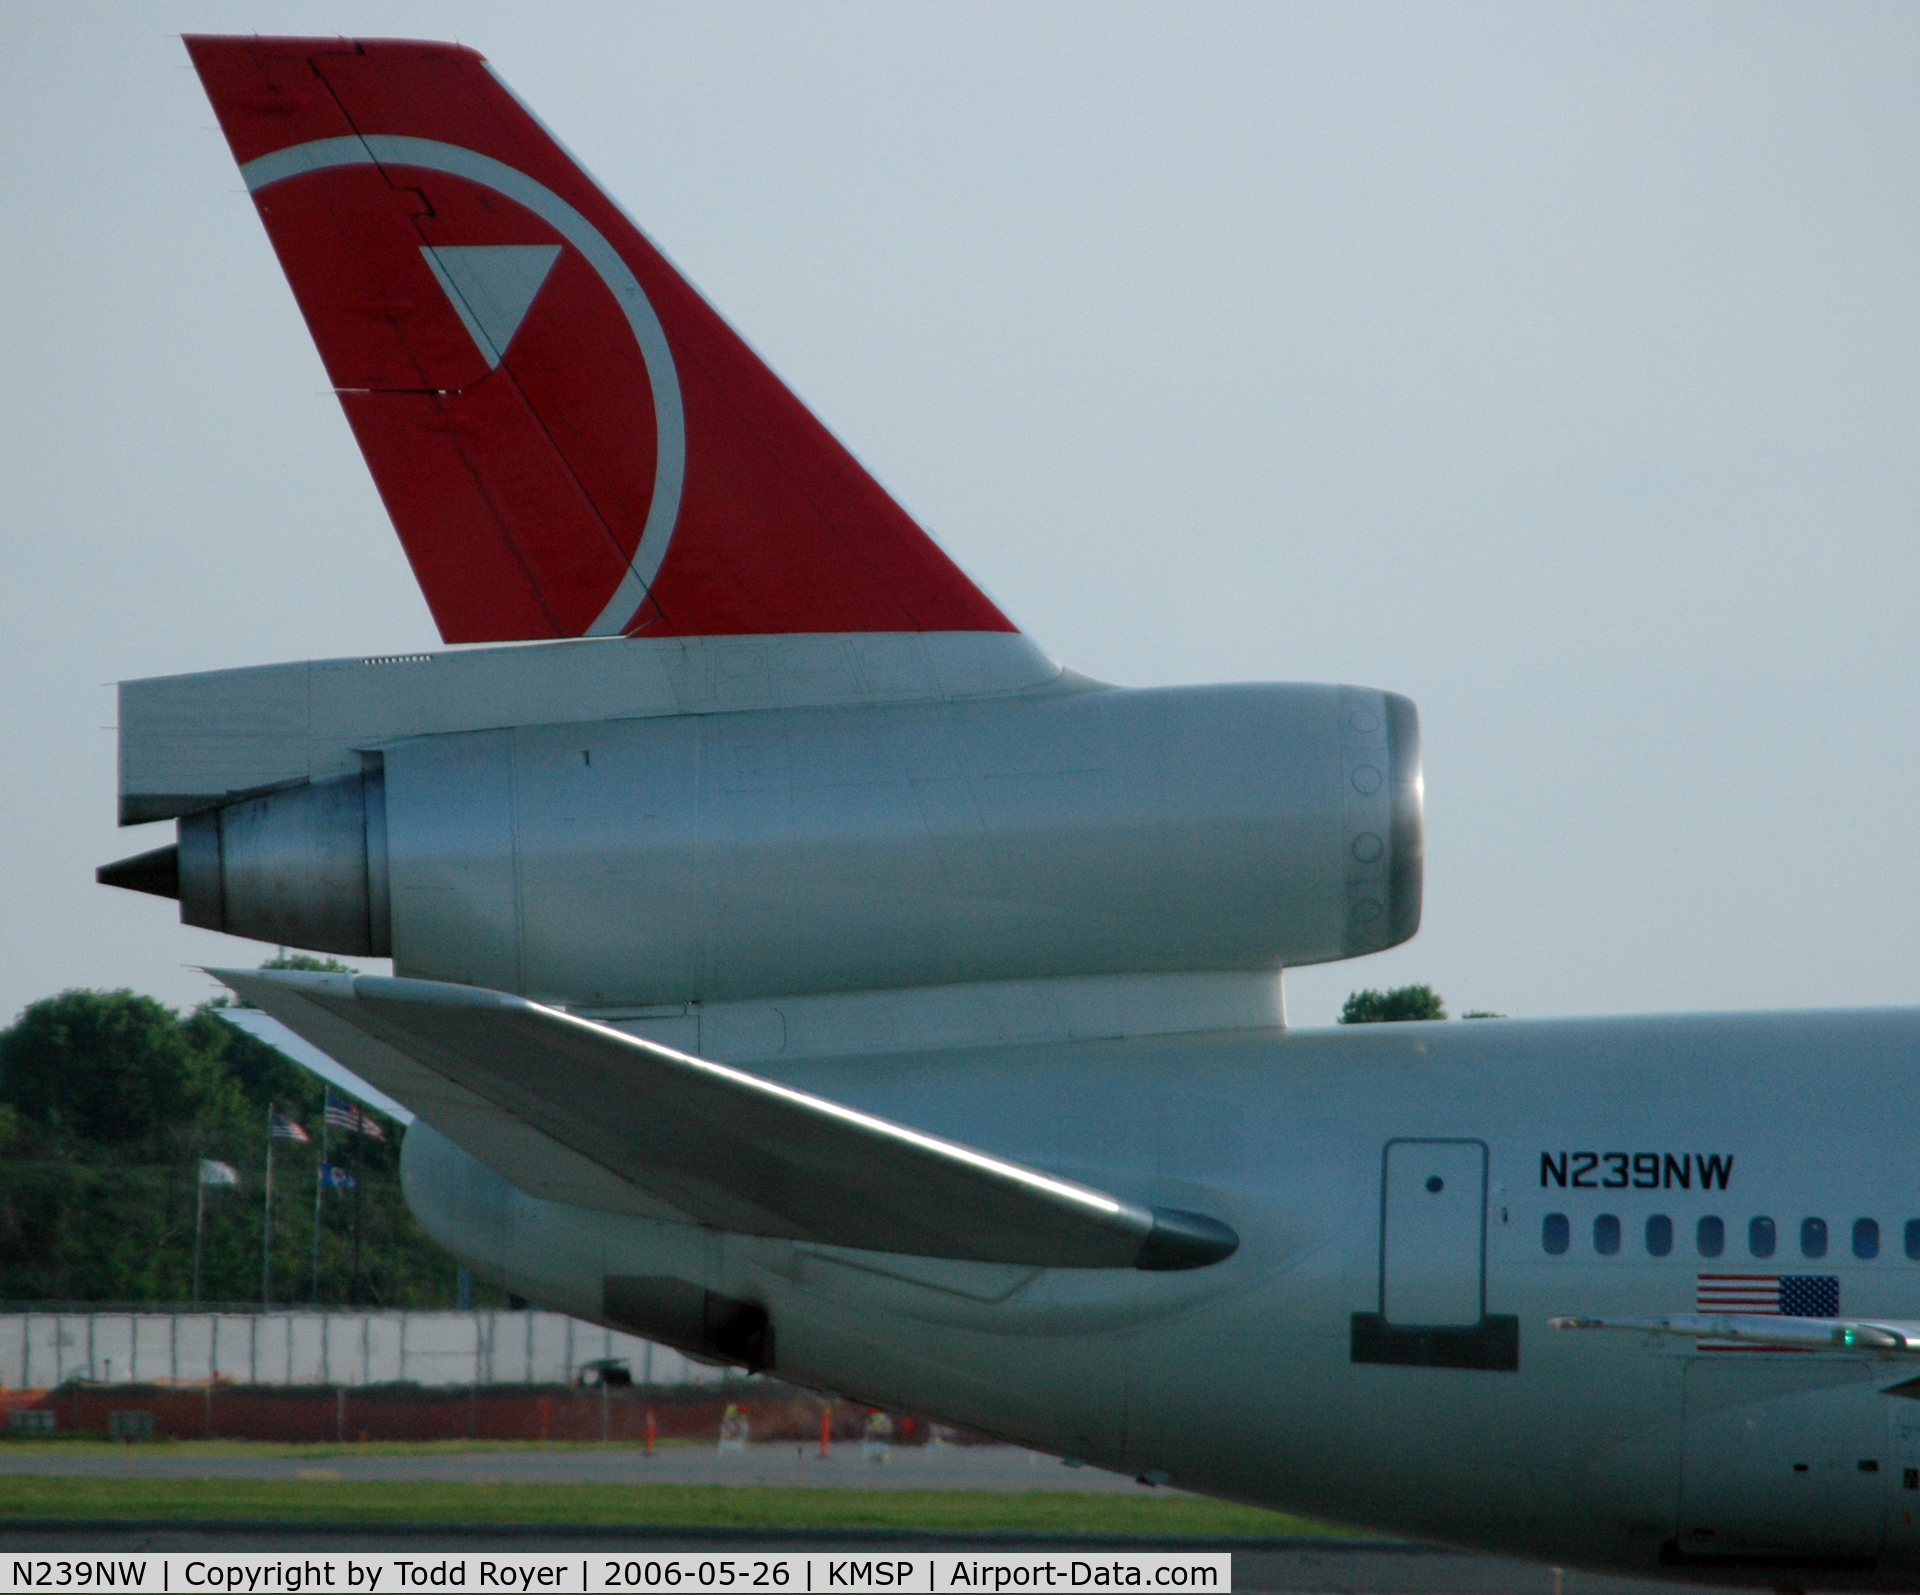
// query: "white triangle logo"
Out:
[492,286]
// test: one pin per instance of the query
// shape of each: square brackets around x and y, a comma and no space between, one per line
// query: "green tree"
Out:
[109,1075]
[1372,1007]
[262,1073]
[108,1102]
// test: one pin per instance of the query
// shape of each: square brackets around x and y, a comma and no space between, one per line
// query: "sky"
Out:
[1556,366]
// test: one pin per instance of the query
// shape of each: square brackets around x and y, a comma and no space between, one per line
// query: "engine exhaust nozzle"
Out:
[305,867]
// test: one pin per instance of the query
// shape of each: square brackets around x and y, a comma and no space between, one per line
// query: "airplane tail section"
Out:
[570,441]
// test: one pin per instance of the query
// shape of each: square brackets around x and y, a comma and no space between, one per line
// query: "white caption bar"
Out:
[776,1572]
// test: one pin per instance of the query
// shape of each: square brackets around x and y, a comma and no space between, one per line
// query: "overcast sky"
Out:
[1556,366]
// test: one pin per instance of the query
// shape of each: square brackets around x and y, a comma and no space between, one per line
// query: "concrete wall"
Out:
[41,1350]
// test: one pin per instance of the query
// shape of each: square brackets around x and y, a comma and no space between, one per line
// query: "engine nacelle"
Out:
[724,856]
[305,867]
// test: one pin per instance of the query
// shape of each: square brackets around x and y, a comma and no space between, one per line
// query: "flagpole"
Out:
[199,1222]
[266,1225]
[356,1210]
[319,1174]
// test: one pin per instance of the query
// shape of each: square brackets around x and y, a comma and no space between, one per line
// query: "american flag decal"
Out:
[1771,1295]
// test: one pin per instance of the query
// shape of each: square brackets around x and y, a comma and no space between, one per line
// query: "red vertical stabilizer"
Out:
[568,438]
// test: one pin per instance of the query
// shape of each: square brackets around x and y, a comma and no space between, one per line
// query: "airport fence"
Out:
[45,1347]
[760,1410]
[302,1375]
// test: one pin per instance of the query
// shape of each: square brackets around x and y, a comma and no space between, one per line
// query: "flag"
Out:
[1770,1295]
[333,1178]
[282,1128]
[212,1173]
[345,1115]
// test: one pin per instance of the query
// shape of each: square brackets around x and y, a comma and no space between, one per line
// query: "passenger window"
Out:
[1659,1235]
[1866,1238]
[1913,1239]
[1606,1234]
[1555,1233]
[1710,1235]
[1761,1237]
[1813,1237]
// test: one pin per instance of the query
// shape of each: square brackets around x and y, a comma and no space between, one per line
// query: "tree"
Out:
[108,1102]
[307,961]
[1372,1007]
[109,1074]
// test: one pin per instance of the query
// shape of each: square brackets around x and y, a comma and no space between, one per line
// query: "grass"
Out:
[82,1445]
[642,1505]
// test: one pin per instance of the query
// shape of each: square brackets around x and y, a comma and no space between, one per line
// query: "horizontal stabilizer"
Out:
[1762,1330]
[723,1147]
[264,1027]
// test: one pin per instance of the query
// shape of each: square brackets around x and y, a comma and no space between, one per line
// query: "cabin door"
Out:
[1433,1241]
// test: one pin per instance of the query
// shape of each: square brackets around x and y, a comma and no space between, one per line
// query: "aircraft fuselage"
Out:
[1378,1352]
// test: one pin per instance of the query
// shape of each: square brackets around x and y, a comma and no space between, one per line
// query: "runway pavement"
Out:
[930,1467]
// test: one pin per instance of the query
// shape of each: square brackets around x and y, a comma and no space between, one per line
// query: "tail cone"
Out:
[157,873]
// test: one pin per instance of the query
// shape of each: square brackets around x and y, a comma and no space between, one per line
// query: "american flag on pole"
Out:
[282,1128]
[1766,1296]
[345,1115]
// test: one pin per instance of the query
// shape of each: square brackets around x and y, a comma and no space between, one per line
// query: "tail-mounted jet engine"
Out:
[305,866]
[686,857]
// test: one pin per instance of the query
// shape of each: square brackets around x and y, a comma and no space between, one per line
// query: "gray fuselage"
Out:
[1275,1377]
